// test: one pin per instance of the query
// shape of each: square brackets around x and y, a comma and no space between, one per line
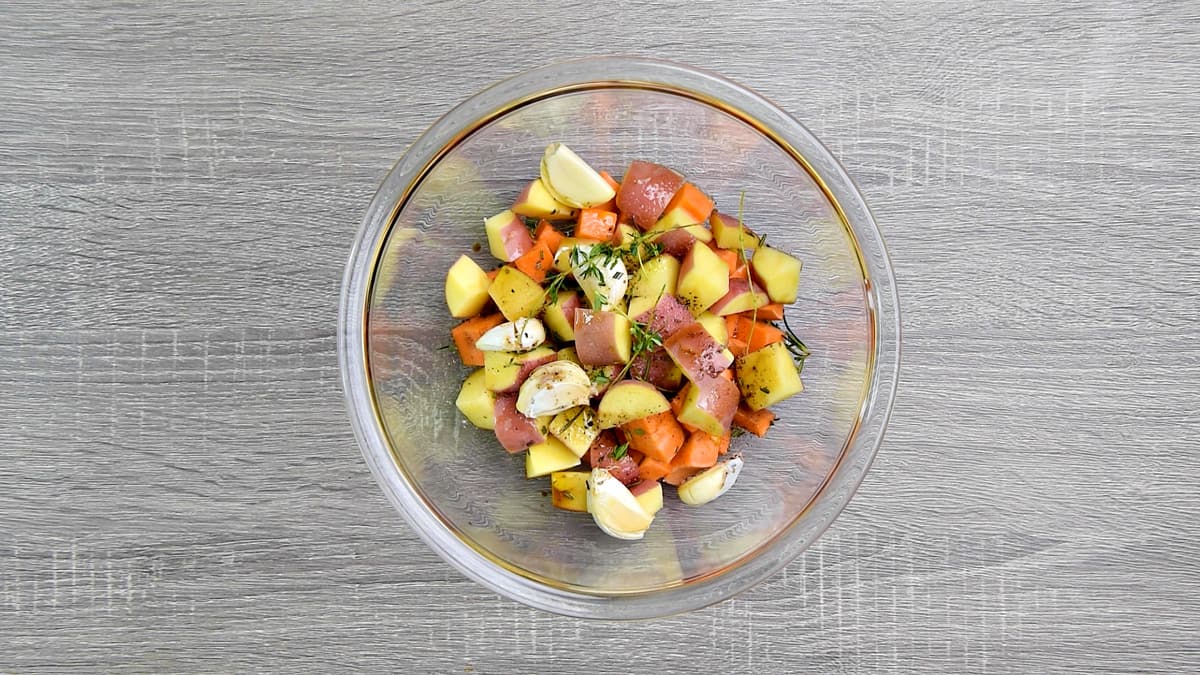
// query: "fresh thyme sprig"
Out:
[554,286]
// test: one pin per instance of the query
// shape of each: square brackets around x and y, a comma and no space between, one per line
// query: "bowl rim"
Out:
[882,307]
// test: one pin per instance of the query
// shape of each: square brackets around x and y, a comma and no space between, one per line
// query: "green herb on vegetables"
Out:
[795,345]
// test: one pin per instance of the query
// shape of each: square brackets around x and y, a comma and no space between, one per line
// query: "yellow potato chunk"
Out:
[568,490]
[767,376]
[466,288]
[543,459]
[629,400]
[576,428]
[516,294]
[703,279]
[476,402]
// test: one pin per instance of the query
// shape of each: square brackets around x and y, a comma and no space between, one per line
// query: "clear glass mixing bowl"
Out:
[468,498]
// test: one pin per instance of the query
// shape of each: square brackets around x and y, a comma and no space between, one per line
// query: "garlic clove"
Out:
[513,336]
[553,388]
[710,483]
[605,289]
[614,508]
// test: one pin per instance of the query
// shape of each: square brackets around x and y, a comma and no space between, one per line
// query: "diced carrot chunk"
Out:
[549,235]
[653,469]
[747,335]
[763,334]
[610,205]
[771,312]
[755,421]
[536,262]
[466,333]
[596,224]
[658,436]
[699,452]
[691,201]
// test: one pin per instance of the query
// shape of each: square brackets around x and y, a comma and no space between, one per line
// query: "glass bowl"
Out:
[468,498]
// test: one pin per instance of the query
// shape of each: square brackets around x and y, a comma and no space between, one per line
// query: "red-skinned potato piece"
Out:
[676,242]
[515,431]
[658,368]
[710,405]
[599,456]
[697,354]
[508,238]
[601,338]
[743,296]
[642,487]
[645,191]
[666,317]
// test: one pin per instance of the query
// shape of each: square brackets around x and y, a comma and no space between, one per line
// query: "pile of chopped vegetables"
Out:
[630,331]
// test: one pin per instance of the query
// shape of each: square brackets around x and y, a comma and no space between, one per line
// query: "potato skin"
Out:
[515,431]
[599,456]
[646,189]
[698,355]
[666,317]
[601,338]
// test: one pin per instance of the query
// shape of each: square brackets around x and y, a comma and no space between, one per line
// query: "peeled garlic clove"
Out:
[614,508]
[609,286]
[710,483]
[553,388]
[571,180]
[513,336]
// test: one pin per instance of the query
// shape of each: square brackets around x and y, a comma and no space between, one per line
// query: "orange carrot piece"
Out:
[699,452]
[733,260]
[737,328]
[536,262]
[610,205]
[653,469]
[730,258]
[747,335]
[763,334]
[596,224]
[692,201]
[466,333]
[755,421]
[547,234]
[677,476]
[771,312]
[658,436]
[493,273]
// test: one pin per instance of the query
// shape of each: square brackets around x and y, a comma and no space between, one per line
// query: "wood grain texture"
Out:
[180,183]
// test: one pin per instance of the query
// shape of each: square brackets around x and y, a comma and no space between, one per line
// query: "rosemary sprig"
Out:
[619,451]
[795,345]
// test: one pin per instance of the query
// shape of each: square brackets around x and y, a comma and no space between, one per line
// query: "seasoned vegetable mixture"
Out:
[630,331]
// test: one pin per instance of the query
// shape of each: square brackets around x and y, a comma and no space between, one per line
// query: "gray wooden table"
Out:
[179,185]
